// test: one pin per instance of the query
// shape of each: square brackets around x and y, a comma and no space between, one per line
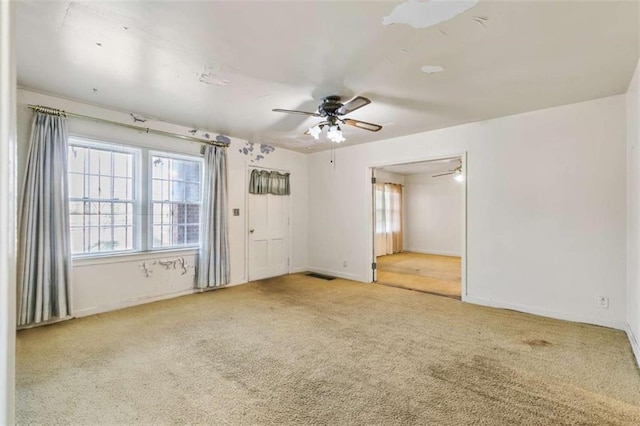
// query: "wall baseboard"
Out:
[635,346]
[434,252]
[131,302]
[344,275]
[618,325]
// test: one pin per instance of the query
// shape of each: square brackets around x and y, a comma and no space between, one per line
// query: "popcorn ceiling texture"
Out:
[299,350]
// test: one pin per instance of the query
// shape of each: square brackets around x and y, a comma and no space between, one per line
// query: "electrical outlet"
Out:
[603,302]
[344,264]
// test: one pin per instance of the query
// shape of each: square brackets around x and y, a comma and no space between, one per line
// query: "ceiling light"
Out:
[315,131]
[335,134]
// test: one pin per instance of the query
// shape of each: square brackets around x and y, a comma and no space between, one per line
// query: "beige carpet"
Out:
[423,272]
[299,350]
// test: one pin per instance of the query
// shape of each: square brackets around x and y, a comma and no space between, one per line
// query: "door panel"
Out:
[268,236]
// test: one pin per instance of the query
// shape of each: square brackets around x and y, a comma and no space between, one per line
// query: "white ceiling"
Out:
[222,66]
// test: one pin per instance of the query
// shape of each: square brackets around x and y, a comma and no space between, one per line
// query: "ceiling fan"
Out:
[457,173]
[332,110]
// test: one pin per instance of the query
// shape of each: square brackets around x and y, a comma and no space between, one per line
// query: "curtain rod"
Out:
[58,112]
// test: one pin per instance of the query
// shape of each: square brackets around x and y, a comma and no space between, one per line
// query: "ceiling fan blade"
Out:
[443,174]
[362,125]
[291,111]
[353,104]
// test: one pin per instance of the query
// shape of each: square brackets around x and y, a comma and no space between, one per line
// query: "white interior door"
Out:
[268,236]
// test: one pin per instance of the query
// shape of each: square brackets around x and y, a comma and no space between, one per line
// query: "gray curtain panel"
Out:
[213,261]
[44,253]
[269,182]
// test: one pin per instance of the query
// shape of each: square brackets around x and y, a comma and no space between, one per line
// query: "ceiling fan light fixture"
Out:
[335,134]
[315,131]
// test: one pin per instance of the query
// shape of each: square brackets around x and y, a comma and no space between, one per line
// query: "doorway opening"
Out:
[419,226]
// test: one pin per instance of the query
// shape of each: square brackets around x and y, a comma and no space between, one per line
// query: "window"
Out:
[125,199]
[101,199]
[176,198]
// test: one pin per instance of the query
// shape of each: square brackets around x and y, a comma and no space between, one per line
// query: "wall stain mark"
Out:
[480,20]
[209,76]
[138,118]
[223,139]
[249,151]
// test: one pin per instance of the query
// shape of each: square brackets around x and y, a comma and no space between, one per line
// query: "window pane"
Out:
[120,238]
[77,240]
[122,188]
[105,163]
[76,159]
[177,235]
[156,193]
[193,214]
[121,164]
[193,234]
[192,192]
[105,187]
[192,171]
[177,191]
[94,187]
[177,170]
[94,240]
[106,239]
[95,223]
[76,185]
[94,162]
[160,167]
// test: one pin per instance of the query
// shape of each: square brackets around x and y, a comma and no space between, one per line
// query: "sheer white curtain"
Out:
[213,260]
[388,218]
[44,253]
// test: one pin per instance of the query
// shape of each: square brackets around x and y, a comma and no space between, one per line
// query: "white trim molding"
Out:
[8,204]
[618,325]
[434,252]
[336,274]
[633,341]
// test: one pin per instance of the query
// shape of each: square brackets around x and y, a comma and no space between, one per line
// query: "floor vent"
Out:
[322,277]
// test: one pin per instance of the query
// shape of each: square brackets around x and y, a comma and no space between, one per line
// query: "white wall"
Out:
[633,212]
[102,284]
[7,213]
[433,209]
[545,200]
[383,176]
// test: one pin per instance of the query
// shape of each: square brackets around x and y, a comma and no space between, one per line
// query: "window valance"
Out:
[269,182]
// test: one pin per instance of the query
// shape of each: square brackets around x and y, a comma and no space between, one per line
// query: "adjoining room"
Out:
[420,226]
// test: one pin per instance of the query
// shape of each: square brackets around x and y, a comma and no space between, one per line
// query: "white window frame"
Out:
[149,197]
[136,177]
[142,190]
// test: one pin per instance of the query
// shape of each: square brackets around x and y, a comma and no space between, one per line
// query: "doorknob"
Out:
[251,231]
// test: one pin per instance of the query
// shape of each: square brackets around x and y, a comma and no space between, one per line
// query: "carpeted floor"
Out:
[424,272]
[300,350]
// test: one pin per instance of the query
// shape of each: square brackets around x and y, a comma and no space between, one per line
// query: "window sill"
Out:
[103,259]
